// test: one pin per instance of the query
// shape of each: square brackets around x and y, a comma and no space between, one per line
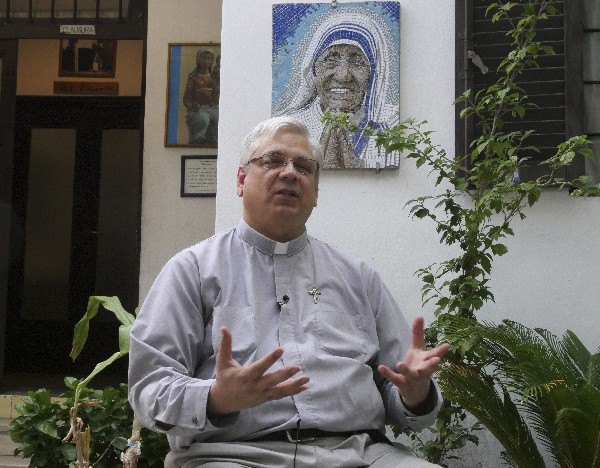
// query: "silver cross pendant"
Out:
[315,293]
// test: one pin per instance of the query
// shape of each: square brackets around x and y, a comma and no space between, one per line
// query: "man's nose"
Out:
[288,170]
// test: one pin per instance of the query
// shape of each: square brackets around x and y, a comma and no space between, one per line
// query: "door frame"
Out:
[8,90]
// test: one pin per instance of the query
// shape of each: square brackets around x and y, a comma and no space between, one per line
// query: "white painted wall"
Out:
[549,279]
[169,222]
[361,212]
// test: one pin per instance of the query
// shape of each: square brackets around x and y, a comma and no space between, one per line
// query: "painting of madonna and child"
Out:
[339,57]
[193,92]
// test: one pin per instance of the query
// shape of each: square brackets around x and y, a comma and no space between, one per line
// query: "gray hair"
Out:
[268,128]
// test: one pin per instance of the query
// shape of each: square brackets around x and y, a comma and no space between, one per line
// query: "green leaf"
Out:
[499,249]
[124,338]
[47,427]
[114,305]
[81,331]
[421,212]
[100,367]
[533,195]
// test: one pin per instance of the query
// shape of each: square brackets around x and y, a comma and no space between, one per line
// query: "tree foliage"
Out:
[476,200]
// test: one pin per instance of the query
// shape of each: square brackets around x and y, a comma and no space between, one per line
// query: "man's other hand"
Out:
[237,387]
[413,378]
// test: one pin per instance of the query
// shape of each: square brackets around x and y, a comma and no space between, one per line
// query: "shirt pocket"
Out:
[340,333]
[241,324]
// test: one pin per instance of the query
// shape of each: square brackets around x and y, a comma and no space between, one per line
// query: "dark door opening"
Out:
[8,81]
[76,201]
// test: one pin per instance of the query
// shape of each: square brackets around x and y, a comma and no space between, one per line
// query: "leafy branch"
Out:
[481,191]
[479,195]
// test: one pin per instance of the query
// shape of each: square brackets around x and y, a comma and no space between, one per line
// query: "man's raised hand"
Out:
[414,373]
[237,387]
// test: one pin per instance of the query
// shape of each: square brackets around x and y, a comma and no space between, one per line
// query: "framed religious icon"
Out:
[341,58]
[193,87]
[89,58]
[198,176]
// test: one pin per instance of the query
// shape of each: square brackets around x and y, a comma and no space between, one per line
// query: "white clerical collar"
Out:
[281,248]
[270,246]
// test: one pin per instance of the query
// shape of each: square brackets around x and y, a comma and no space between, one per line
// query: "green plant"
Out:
[446,437]
[43,423]
[47,419]
[39,430]
[479,196]
[77,434]
[527,379]
[80,333]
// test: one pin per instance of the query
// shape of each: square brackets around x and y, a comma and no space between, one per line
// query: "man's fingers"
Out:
[437,352]
[441,350]
[224,354]
[264,364]
[392,376]
[418,336]
[288,388]
[427,368]
[275,378]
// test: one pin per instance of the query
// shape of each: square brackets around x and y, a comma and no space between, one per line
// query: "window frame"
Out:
[573,88]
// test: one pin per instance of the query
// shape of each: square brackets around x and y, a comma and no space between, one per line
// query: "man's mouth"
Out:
[287,193]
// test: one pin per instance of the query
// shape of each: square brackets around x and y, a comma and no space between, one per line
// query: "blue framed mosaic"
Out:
[340,57]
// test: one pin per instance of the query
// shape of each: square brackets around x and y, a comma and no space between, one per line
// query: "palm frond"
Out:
[589,364]
[520,379]
[476,392]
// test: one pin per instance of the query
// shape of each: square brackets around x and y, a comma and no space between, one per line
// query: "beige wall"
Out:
[169,222]
[38,67]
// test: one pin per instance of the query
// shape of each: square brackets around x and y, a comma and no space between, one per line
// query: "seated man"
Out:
[265,347]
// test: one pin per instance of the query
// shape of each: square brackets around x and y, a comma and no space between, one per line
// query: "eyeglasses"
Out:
[277,161]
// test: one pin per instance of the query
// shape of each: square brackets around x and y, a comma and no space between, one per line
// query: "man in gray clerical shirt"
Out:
[265,347]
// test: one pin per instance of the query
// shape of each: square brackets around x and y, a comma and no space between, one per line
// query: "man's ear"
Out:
[241,177]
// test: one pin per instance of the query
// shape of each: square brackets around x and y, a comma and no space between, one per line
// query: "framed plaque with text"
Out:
[198,176]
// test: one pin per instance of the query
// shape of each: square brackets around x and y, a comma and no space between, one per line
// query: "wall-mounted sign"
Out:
[87,29]
[87,88]
[198,176]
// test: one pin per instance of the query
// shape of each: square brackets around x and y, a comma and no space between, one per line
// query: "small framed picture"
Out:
[193,87]
[198,176]
[90,58]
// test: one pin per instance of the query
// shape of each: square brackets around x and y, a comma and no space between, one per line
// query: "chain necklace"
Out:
[314,292]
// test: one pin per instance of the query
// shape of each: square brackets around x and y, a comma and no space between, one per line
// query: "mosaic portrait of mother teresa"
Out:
[339,57]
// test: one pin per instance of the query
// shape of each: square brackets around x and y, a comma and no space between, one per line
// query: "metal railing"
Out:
[52,11]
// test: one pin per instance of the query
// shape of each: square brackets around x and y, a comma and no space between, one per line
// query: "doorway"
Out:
[76,205]
[8,78]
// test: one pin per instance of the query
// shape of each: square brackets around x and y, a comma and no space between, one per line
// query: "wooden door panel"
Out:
[45,330]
